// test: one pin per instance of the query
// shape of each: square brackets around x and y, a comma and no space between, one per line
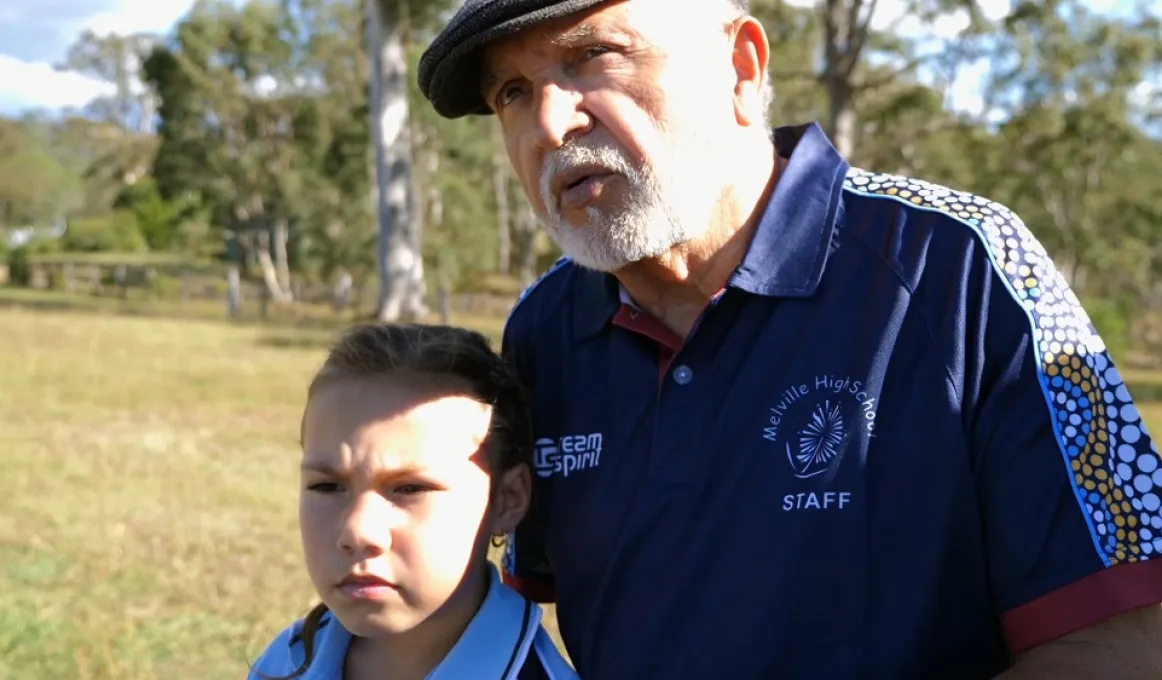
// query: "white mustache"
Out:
[566,158]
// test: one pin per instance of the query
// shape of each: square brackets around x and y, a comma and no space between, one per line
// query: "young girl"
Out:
[416,450]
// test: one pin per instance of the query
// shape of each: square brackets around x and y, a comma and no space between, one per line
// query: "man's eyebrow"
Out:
[567,39]
[489,80]
[574,35]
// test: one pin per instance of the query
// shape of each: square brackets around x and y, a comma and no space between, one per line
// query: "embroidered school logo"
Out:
[810,425]
[819,441]
[567,455]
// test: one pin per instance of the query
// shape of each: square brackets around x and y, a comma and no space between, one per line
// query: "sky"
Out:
[36,34]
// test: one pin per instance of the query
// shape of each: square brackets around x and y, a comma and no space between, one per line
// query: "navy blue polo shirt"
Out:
[893,447]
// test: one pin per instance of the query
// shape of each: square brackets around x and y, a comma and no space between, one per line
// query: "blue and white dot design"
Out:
[1112,458]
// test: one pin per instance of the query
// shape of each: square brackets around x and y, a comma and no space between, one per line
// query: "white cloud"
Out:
[138,16]
[36,34]
[31,85]
[27,77]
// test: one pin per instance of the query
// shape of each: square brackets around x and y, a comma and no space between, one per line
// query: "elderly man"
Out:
[795,420]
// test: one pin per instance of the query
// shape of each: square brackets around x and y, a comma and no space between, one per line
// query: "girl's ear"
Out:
[511,501]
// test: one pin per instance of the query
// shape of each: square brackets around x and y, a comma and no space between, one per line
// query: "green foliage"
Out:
[1111,318]
[463,246]
[118,232]
[179,223]
[263,116]
[19,259]
[36,188]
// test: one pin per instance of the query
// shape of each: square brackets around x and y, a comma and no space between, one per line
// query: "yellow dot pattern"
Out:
[1111,458]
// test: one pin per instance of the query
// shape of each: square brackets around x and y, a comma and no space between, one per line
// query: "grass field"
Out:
[148,492]
[148,481]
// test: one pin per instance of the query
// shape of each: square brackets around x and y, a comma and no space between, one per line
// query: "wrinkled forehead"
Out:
[664,25]
[565,32]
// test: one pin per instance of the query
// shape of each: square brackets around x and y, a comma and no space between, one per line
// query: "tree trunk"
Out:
[274,291]
[845,32]
[255,242]
[526,223]
[401,272]
[500,179]
[841,119]
[281,263]
[233,293]
[341,296]
[445,299]
[433,198]
[119,278]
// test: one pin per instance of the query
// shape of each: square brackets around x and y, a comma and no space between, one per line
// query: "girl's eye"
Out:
[412,489]
[325,487]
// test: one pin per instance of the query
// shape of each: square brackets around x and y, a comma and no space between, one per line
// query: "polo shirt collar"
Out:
[505,622]
[789,249]
[793,238]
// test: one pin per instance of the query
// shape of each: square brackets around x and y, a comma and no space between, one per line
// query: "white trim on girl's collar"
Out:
[502,631]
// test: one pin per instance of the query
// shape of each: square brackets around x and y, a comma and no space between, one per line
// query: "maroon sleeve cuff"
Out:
[542,591]
[1084,602]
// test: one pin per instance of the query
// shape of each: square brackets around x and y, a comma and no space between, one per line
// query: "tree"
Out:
[1077,165]
[116,59]
[125,118]
[401,273]
[37,189]
[852,61]
[257,119]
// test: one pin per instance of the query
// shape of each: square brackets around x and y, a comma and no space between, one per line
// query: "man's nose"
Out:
[366,530]
[560,115]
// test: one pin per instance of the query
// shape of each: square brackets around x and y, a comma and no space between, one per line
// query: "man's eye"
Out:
[507,94]
[325,487]
[594,51]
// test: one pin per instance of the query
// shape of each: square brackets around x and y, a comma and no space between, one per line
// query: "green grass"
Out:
[148,489]
[297,318]
[129,259]
[147,494]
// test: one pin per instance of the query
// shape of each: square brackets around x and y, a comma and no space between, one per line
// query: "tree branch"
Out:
[853,23]
[860,31]
[830,34]
[911,65]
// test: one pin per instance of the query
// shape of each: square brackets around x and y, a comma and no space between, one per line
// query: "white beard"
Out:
[659,213]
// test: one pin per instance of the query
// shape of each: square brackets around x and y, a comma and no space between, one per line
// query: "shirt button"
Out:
[683,375]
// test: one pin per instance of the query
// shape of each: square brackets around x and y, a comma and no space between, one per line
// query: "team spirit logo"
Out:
[811,425]
[567,455]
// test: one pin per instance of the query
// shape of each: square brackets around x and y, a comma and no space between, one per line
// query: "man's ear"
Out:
[751,56]
[511,498]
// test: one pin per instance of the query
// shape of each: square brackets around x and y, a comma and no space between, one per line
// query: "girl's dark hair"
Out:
[458,360]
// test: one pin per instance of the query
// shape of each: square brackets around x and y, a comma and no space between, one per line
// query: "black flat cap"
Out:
[449,72]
